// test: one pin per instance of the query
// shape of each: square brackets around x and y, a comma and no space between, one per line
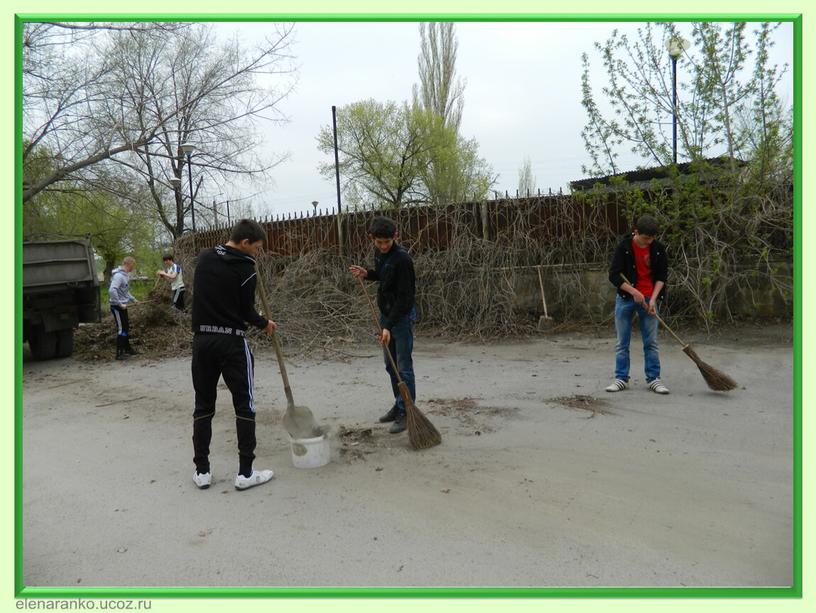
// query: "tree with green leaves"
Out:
[116,228]
[382,151]
[453,171]
[399,155]
[713,104]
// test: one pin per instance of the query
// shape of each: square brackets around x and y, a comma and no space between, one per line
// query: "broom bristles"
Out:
[421,432]
[716,379]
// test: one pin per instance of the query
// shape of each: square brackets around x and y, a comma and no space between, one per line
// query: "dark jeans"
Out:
[216,355]
[401,346]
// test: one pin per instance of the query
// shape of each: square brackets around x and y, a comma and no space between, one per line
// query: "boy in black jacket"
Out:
[223,303]
[642,260]
[394,270]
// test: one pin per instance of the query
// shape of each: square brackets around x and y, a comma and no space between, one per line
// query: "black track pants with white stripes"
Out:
[120,318]
[215,355]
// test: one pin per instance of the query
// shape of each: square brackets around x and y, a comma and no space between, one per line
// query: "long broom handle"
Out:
[287,390]
[660,319]
[379,328]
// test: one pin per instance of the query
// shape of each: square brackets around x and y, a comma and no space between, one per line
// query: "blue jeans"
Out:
[401,346]
[624,310]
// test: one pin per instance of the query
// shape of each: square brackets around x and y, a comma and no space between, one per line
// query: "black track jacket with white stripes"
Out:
[224,291]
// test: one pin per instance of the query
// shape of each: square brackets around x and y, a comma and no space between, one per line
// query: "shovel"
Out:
[545,321]
[298,421]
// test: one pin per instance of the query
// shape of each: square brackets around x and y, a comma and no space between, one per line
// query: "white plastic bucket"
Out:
[310,452]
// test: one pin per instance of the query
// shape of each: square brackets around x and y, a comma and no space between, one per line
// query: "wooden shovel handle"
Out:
[278,352]
[660,319]
[541,287]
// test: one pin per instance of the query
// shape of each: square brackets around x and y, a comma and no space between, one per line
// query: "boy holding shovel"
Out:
[223,304]
[394,271]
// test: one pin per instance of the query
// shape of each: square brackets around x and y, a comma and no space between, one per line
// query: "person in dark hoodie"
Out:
[643,261]
[223,304]
[394,270]
[119,296]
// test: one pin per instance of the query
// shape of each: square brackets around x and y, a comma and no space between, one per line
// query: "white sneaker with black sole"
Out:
[657,387]
[617,385]
[256,478]
[202,480]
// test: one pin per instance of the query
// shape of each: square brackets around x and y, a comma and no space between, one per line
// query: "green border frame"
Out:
[794,591]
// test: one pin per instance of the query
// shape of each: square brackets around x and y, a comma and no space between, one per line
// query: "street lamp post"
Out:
[187,149]
[675,46]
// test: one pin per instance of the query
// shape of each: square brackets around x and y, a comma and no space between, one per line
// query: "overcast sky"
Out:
[522,96]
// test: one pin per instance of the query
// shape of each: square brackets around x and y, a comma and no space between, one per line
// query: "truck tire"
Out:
[43,344]
[65,343]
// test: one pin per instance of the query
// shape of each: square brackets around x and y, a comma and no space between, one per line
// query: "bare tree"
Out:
[439,90]
[454,171]
[144,92]
[527,180]
[62,83]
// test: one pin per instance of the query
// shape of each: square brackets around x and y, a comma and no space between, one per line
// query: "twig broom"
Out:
[421,432]
[716,379]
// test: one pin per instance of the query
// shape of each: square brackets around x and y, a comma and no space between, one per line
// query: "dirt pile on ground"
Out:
[472,418]
[581,402]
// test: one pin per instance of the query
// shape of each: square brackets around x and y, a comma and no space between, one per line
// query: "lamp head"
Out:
[675,46]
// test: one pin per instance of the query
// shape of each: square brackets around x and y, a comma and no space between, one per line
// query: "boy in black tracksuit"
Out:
[394,269]
[223,302]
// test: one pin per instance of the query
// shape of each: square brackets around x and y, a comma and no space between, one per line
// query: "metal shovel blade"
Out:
[300,423]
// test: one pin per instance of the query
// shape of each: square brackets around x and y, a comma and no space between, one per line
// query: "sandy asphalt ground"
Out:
[543,479]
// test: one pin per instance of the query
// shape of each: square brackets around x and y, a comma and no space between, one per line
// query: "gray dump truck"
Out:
[60,290]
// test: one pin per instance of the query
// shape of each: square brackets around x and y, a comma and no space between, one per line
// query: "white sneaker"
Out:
[657,387]
[256,478]
[617,385]
[202,481]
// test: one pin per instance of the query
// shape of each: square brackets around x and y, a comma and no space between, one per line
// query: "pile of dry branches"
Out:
[474,287]
[157,330]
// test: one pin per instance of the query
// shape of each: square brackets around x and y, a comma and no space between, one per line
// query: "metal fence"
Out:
[548,219]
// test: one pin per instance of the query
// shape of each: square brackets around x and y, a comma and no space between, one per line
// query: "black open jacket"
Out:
[397,283]
[623,261]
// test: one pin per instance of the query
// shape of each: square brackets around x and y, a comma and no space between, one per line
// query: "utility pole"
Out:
[339,219]
[336,157]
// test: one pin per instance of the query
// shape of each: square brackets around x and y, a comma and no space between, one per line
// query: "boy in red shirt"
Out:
[642,260]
